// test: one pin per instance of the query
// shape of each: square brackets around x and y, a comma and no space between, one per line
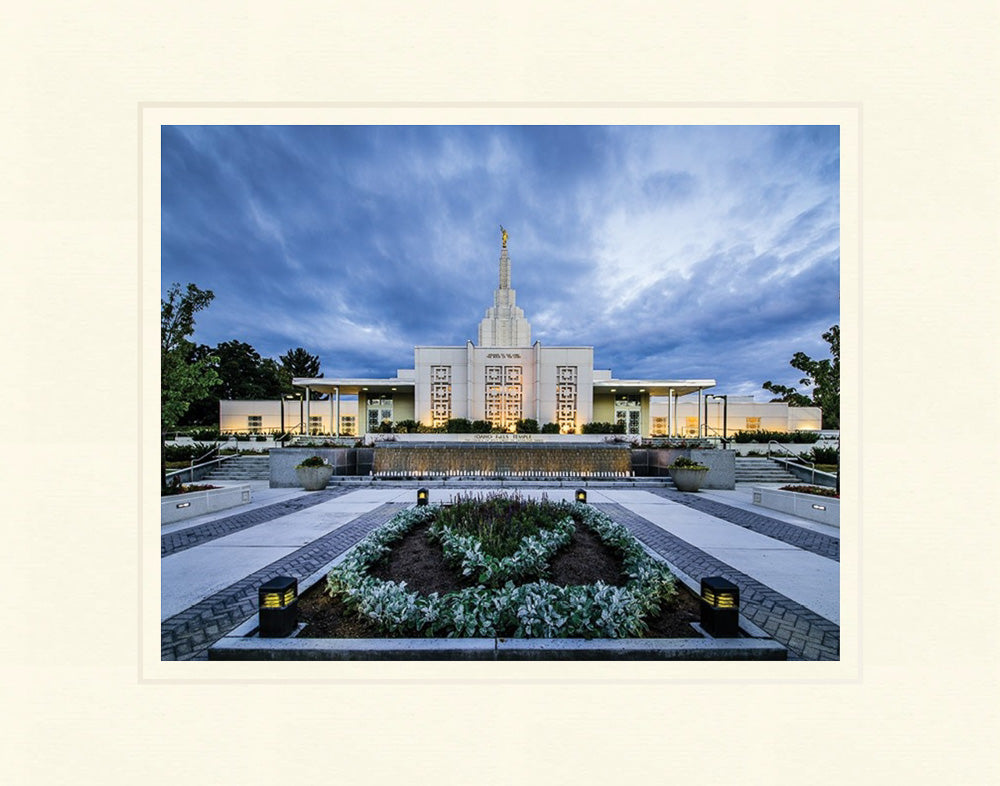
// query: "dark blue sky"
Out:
[676,251]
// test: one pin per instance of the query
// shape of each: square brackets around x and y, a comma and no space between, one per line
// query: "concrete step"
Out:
[242,468]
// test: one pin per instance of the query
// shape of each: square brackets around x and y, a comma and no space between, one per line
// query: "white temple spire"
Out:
[504,324]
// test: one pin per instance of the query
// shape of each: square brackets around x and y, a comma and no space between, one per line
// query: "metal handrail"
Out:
[718,435]
[174,473]
[214,449]
[794,455]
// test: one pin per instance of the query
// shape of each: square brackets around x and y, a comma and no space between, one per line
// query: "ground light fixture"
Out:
[581,496]
[422,495]
[278,607]
[720,607]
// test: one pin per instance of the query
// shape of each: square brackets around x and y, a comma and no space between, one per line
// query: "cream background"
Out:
[86,700]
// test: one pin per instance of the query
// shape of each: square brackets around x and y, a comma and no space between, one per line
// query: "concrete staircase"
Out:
[242,468]
[752,469]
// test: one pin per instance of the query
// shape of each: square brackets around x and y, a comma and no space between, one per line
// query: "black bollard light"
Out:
[278,607]
[581,496]
[422,495]
[720,607]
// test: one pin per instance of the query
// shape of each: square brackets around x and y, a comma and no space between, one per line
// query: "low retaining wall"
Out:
[178,507]
[798,448]
[814,507]
[345,461]
[653,462]
[505,439]
[253,648]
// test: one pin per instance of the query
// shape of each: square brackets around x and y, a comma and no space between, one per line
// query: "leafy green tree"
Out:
[299,363]
[244,374]
[823,376]
[185,375]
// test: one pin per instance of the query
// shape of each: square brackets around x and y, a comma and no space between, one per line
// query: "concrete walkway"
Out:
[787,568]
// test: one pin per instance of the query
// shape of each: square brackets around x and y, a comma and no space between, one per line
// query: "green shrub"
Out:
[313,461]
[550,428]
[683,462]
[406,427]
[481,427]
[458,426]
[204,434]
[186,452]
[534,609]
[821,491]
[820,455]
[526,426]
[599,427]
[798,437]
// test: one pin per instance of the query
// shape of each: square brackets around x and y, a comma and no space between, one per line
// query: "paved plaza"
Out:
[787,568]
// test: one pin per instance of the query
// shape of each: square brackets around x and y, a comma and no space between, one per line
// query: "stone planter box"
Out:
[178,507]
[314,478]
[809,506]
[687,479]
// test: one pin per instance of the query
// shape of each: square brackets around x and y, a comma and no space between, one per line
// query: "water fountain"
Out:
[528,460]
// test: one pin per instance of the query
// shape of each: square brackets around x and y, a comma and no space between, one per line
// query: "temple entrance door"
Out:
[628,412]
[379,410]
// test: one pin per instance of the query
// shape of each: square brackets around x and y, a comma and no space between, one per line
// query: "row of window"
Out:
[691,426]
[348,424]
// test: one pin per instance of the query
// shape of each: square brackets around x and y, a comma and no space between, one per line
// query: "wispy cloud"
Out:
[674,251]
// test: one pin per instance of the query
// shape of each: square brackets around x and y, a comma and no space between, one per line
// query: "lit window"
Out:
[255,423]
[753,424]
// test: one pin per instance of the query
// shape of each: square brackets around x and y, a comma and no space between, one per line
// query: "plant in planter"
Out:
[688,475]
[314,473]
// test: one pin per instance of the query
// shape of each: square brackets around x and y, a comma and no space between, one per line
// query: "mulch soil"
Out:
[419,562]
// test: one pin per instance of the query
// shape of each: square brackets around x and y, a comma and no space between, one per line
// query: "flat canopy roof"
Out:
[654,387]
[350,387]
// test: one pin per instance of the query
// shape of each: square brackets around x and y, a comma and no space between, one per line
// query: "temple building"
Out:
[504,378]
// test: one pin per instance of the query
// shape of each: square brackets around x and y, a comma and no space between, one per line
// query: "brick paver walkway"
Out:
[203,533]
[187,635]
[792,534]
[806,634]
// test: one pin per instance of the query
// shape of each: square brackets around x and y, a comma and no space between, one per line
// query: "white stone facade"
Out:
[504,384]
[506,378]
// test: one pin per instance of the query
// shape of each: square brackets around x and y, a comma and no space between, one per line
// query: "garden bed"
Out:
[574,586]
[418,562]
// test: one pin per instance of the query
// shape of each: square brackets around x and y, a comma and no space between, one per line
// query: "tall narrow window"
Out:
[504,399]
[566,397]
[440,395]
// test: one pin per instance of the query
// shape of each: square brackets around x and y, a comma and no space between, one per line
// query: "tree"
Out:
[244,374]
[185,374]
[299,363]
[823,376]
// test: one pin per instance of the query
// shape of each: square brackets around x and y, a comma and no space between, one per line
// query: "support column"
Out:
[670,419]
[337,394]
[699,414]
[677,430]
[308,402]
